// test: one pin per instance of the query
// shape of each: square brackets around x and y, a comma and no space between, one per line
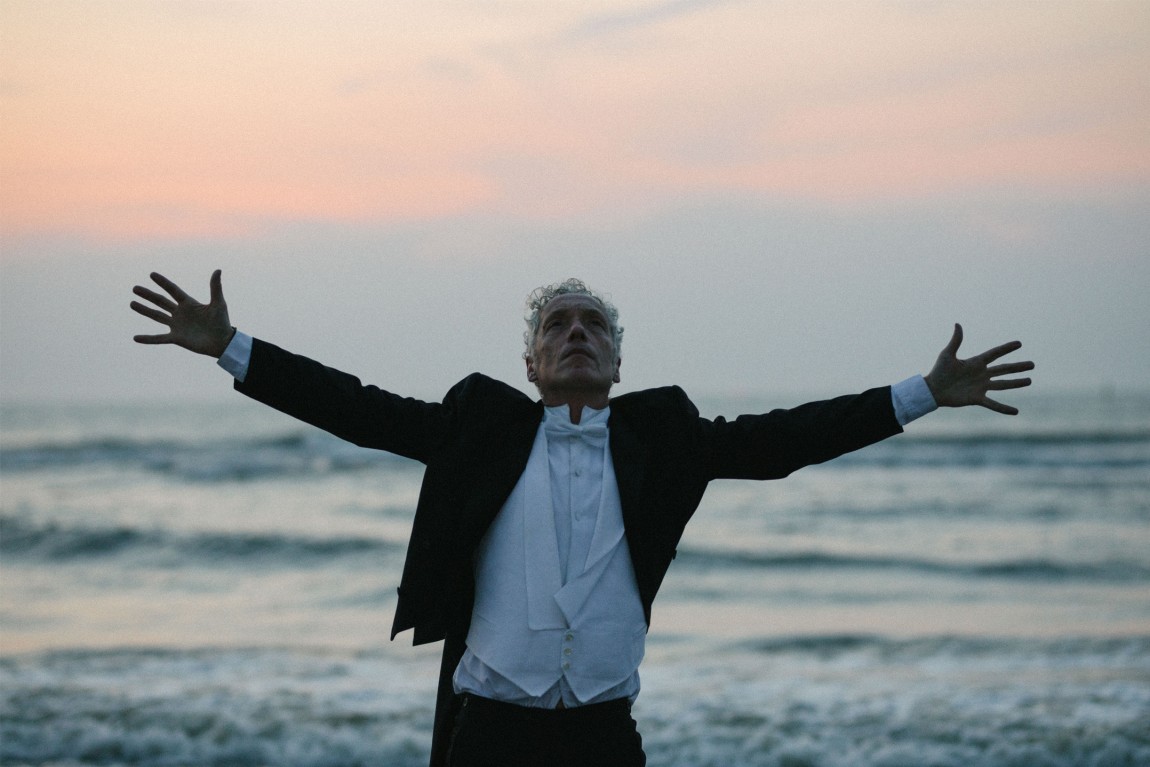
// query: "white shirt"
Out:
[576,478]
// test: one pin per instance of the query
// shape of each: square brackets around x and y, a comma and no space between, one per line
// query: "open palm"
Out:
[201,328]
[958,382]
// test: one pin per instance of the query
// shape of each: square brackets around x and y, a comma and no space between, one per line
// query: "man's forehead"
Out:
[573,302]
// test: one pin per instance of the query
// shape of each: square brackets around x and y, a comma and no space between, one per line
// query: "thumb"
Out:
[217,287]
[955,341]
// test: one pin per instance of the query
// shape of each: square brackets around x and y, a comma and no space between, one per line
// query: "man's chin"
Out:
[582,381]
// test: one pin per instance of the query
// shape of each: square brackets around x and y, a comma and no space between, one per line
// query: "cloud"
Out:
[634,19]
[299,112]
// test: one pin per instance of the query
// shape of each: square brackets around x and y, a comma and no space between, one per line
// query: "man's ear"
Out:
[618,363]
[532,376]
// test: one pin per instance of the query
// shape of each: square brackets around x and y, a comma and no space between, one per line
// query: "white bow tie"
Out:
[593,433]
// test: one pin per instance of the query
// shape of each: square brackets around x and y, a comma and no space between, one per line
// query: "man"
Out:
[544,528]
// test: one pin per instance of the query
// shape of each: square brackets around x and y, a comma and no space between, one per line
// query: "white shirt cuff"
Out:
[912,399]
[237,356]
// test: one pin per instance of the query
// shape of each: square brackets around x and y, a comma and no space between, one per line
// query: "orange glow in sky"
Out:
[132,120]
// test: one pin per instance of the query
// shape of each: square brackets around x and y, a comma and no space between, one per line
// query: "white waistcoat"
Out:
[531,628]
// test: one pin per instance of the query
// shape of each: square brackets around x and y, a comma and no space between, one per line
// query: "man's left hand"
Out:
[956,383]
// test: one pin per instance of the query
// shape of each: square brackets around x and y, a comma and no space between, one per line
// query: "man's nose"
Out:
[576,330]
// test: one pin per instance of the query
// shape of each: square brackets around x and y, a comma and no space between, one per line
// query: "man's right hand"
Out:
[201,328]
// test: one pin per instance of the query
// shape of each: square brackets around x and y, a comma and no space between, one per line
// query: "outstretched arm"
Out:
[956,383]
[201,328]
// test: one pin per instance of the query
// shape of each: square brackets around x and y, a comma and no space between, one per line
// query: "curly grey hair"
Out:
[540,297]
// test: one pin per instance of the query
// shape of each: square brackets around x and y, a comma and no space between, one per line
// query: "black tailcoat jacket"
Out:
[476,443]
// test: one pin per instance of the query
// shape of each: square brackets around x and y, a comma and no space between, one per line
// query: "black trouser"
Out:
[493,734]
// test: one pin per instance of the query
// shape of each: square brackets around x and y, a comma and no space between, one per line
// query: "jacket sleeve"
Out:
[774,444]
[340,404]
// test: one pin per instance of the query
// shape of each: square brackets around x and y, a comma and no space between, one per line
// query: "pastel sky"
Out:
[780,196]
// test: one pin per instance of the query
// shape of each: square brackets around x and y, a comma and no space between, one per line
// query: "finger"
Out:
[217,287]
[1013,383]
[151,313]
[166,338]
[990,355]
[161,301]
[998,407]
[1010,368]
[173,289]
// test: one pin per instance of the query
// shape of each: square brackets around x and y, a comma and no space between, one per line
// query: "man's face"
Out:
[574,349]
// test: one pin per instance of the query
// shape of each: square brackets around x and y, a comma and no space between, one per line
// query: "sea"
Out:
[212,585]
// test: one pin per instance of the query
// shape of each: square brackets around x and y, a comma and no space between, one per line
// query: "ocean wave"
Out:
[1062,437]
[316,453]
[1112,571]
[157,708]
[22,540]
[864,701]
[290,454]
[25,540]
[1117,450]
[1118,651]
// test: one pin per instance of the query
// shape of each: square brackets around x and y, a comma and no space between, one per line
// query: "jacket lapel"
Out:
[496,471]
[541,547]
[629,461]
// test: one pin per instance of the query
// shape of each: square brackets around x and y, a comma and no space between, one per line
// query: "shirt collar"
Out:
[589,417]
